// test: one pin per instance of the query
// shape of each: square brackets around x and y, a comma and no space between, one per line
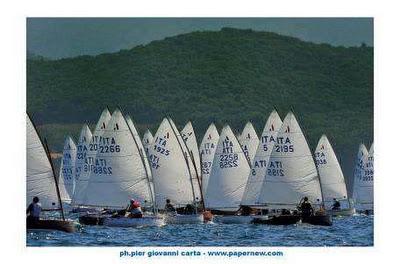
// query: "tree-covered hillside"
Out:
[230,76]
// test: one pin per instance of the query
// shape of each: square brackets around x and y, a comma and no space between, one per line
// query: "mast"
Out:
[55,179]
[198,180]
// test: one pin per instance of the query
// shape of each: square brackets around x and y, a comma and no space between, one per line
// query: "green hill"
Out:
[230,76]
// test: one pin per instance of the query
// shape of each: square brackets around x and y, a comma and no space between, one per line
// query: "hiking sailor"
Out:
[34,210]
[306,207]
[134,210]
[169,208]
[336,205]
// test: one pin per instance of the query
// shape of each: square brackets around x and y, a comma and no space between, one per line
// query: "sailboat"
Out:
[207,151]
[67,168]
[260,162]
[291,176]
[229,173]
[120,174]
[81,151]
[88,161]
[249,141]
[42,183]
[173,174]
[364,180]
[147,141]
[332,180]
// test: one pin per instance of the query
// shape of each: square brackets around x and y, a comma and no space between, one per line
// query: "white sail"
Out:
[66,178]
[143,153]
[260,162]
[249,141]
[147,141]
[171,175]
[119,173]
[88,164]
[229,173]
[194,176]
[359,189]
[40,180]
[207,150]
[81,151]
[331,176]
[291,173]
[189,137]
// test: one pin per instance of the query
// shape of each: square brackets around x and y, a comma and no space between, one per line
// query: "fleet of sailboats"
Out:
[240,180]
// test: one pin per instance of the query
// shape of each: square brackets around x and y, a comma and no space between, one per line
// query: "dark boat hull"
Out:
[60,225]
[322,220]
[277,220]
[91,219]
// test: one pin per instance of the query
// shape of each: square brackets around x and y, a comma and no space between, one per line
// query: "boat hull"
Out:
[342,212]
[93,219]
[233,219]
[277,220]
[322,220]
[134,222]
[184,219]
[60,225]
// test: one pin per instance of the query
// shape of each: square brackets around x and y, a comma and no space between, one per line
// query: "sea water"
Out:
[346,231]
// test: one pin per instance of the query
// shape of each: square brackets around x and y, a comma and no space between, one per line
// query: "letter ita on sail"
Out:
[291,172]
[119,173]
[66,178]
[260,162]
[88,162]
[147,141]
[40,180]
[229,173]
[331,176]
[171,175]
[207,150]
[363,194]
[249,141]
[189,137]
[81,150]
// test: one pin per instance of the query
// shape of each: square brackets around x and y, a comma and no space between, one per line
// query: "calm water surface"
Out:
[346,231]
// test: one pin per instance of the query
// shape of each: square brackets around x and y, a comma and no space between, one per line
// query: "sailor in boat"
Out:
[336,205]
[169,208]
[245,210]
[34,209]
[134,209]
[306,207]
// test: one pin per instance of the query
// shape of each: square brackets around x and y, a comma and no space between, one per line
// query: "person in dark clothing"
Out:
[189,209]
[306,207]
[245,210]
[33,211]
[336,204]
[169,208]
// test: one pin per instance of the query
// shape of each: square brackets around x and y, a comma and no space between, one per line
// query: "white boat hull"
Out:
[184,219]
[342,212]
[134,222]
[233,219]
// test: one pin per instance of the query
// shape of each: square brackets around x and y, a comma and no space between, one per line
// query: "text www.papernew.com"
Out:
[200,253]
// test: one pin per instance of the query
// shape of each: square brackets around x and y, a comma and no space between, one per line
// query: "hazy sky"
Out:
[68,37]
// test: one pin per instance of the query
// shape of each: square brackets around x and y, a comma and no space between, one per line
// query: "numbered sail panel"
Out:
[260,163]
[39,175]
[229,173]
[147,141]
[249,141]
[208,147]
[118,172]
[88,162]
[189,137]
[291,172]
[332,180]
[171,176]
[66,177]
[359,174]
